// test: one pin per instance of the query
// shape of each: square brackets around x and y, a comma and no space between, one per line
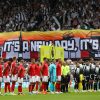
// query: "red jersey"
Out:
[45,69]
[37,70]
[32,69]
[0,70]
[21,71]
[14,69]
[58,69]
[6,69]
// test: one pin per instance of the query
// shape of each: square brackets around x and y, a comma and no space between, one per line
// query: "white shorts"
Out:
[37,78]
[44,78]
[20,80]
[14,77]
[0,79]
[58,78]
[6,79]
[32,79]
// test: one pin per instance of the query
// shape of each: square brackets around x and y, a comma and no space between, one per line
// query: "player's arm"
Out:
[5,68]
[12,69]
[42,67]
[19,70]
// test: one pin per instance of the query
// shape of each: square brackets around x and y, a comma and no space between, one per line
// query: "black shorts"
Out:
[65,79]
[87,78]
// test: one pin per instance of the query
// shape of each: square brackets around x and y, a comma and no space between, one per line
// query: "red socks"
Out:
[0,87]
[58,87]
[13,87]
[43,86]
[30,88]
[7,85]
[19,89]
[37,86]
[33,87]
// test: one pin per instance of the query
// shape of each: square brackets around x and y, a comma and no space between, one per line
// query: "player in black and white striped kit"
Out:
[87,75]
[92,73]
[77,77]
[96,77]
[99,78]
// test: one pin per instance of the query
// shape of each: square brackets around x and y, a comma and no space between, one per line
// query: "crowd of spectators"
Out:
[44,15]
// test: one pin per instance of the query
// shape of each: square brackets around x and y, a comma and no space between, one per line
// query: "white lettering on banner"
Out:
[16,46]
[57,43]
[7,46]
[85,43]
[25,46]
[95,45]
[33,46]
[68,45]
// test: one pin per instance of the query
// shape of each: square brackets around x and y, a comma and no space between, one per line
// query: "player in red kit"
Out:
[45,73]
[0,74]
[21,74]
[58,72]
[6,76]
[38,74]
[31,73]
[14,72]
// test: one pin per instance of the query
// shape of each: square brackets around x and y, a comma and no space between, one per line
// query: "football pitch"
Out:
[64,96]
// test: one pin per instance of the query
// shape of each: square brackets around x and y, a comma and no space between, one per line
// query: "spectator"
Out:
[43,15]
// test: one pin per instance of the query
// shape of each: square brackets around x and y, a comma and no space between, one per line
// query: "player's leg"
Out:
[58,84]
[20,81]
[30,84]
[5,86]
[14,79]
[67,80]
[0,84]
[8,84]
[44,84]
[37,83]
[62,84]
[33,83]
[99,85]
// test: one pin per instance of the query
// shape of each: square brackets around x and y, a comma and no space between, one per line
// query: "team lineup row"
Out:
[59,74]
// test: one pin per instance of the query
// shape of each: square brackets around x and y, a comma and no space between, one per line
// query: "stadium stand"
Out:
[44,15]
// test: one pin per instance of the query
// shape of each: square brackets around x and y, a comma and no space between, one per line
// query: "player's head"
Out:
[45,59]
[32,60]
[91,60]
[21,61]
[80,60]
[10,59]
[14,58]
[64,63]
[59,60]
[97,64]
[87,62]
[77,64]
[9,63]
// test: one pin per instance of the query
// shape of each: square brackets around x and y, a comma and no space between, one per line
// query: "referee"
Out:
[65,77]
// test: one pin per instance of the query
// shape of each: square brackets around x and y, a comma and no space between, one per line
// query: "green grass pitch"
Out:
[64,96]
